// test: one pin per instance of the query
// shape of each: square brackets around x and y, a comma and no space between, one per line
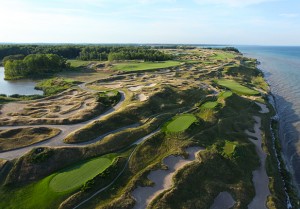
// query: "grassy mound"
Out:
[181,123]
[76,176]
[137,66]
[21,137]
[55,85]
[236,87]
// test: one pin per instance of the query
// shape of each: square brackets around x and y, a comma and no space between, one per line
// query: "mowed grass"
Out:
[79,63]
[181,123]
[222,56]
[236,87]
[229,148]
[49,192]
[74,177]
[209,105]
[138,66]
[225,94]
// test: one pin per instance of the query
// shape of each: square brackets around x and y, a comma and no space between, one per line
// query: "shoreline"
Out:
[286,175]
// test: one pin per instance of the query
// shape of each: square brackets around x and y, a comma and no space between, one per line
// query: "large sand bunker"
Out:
[162,178]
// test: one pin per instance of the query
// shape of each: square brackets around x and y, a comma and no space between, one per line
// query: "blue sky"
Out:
[260,22]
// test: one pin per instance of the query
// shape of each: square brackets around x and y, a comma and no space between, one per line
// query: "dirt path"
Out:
[260,178]
[57,141]
[162,178]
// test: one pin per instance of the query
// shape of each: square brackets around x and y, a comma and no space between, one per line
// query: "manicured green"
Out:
[76,176]
[229,147]
[209,105]
[181,123]
[137,66]
[236,87]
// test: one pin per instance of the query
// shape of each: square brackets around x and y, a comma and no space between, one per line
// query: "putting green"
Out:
[209,105]
[236,87]
[76,176]
[181,123]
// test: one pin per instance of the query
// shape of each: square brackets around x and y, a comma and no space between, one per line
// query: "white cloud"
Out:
[233,3]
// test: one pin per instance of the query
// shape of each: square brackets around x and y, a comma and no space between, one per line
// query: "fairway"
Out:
[209,105]
[137,66]
[77,175]
[181,123]
[236,87]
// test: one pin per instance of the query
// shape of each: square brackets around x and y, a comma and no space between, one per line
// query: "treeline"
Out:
[230,49]
[87,52]
[33,65]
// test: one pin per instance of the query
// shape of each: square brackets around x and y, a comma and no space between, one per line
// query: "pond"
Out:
[22,87]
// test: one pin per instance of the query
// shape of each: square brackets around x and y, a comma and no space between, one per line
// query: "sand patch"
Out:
[162,179]
[136,88]
[263,107]
[260,178]
[113,86]
[151,85]
[223,201]
[142,97]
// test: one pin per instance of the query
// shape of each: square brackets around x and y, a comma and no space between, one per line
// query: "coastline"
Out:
[287,179]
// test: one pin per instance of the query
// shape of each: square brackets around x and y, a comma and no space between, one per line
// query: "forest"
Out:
[33,65]
[88,52]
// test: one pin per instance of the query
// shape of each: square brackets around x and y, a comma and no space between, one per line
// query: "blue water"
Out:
[281,66]
[22,87]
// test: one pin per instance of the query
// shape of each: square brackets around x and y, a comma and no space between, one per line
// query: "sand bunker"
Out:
[223,201]
[113,86]
[260,178]
[162,178]
[142,97]
[135,88]
[151,85]
[263,107]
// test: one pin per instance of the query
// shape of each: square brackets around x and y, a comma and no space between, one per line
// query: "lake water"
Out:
[281,66]
[22,87]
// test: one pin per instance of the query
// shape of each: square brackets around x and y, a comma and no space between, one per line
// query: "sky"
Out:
[233,22]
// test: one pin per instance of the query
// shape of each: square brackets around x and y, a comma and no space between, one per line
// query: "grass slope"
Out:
[236,87]
[21,137]
[137,66]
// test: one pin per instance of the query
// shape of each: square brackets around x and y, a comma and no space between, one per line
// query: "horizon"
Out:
[144,44]
[221,22]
